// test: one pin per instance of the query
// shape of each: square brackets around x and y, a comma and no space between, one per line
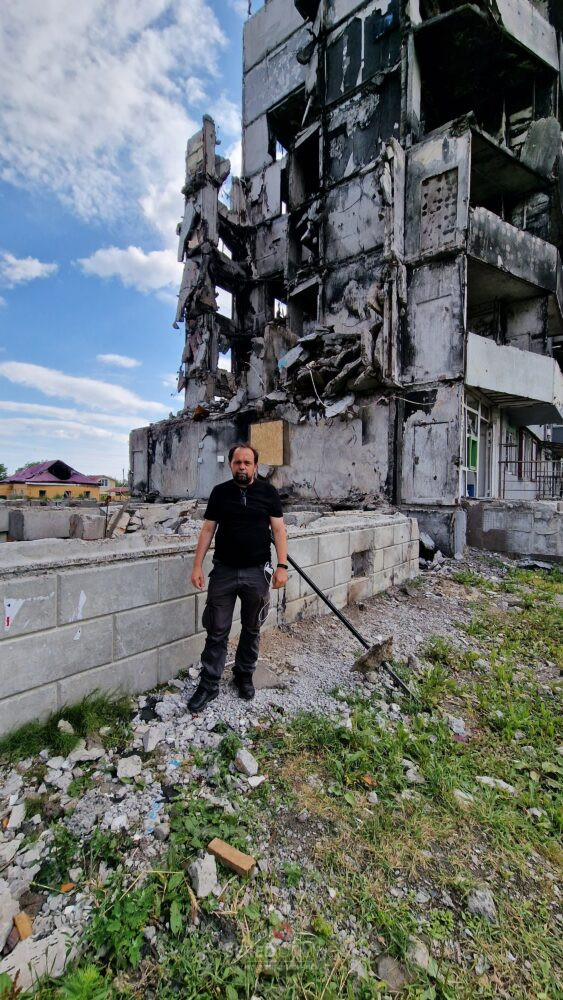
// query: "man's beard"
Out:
[242,478]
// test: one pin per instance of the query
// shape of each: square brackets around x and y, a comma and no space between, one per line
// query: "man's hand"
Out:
[198,578]
[279,579]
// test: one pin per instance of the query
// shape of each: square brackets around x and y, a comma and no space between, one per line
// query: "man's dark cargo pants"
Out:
[226,583]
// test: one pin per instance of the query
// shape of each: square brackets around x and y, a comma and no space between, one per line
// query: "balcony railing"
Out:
[524,478]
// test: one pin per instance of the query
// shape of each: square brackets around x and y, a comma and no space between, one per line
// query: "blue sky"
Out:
[97,101]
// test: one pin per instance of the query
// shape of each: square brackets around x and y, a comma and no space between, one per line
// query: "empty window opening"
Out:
[303,309]
[224,361]
[224,303]
[361,563]
[304,174]
[284,123]
[280,310]
[42,493]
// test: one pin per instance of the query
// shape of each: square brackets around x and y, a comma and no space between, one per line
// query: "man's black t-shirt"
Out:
[243,515]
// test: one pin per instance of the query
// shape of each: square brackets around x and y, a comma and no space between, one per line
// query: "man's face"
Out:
[243,466]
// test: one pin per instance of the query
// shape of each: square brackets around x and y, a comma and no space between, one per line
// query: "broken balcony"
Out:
[509,264]
[472,38]
[527,385]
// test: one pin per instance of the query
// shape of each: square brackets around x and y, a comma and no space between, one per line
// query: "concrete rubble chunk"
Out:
[152,738]
[497,783]
[65,727]
[8,909]
[246,763]
[203,873]
[129,767]
[464,799]
[34,958]
[392,972]
[481,902]
[17,817]
[380,652]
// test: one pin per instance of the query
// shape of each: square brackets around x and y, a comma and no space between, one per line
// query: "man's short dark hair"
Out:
[243,445]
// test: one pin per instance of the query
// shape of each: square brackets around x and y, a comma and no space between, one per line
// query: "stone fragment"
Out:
[236,860]
[9,850]
[246,763]
[481,902]
[456,725]
[11,786]
[390,970]
[12,940]
[8,909]
[24,925]
[34,958]
[203,873]
[427,545]
[417,953]
[358,969]
[65,727]
[373,798]
[497,783]
[17,817]
[255,780]
[380,652]
[463,799]
[129,767]
[152,738]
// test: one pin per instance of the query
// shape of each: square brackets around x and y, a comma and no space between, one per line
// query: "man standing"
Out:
[245,509]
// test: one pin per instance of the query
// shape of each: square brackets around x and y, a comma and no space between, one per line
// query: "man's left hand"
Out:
[279,579]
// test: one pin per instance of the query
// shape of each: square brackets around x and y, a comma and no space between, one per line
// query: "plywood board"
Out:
[268,439]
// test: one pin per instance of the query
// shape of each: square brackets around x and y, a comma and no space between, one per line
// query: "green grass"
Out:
[86,718]
[415,836]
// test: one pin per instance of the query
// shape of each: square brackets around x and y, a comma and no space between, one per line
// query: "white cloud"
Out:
[135,268]
[123,420]
[98,111]
[17,271]
[234,153]
[195,90]
[2,301]
[92,392]
[170,381]
[227,115]
[120,360]
[240,7]
[59,429]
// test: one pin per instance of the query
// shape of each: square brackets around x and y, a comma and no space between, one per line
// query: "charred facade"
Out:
[393,254]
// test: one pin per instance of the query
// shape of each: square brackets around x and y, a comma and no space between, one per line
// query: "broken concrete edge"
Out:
[19,558]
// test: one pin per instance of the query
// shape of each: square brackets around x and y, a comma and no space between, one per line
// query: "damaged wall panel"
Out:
[431,436]
[433,345]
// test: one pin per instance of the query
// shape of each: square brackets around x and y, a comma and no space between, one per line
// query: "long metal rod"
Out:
[351,628]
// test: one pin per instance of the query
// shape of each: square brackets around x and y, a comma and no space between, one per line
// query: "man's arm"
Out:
[280,542]
[203,543]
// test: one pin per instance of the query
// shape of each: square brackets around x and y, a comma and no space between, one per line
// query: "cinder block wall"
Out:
[133,621]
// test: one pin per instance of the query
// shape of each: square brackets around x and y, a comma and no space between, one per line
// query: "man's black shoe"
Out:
[200,698]
[245,689]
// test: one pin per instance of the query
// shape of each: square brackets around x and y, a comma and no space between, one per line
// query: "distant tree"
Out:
[3,471]
[36,461]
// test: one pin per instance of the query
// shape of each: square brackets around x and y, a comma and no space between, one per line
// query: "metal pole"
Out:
[351,628]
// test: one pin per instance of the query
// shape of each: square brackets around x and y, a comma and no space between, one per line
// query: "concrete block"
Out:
[305,551]
[293,586]
[28,603]
[342,570]
[411,550]
[382,580]
[414,568]
[338,596]
[401,573]
[4,519]
[377,560]
[267,28]
[132,675]
[383,536]
[322,575]
[392,556]
[178,656]
[360,589]
[401,532]
[37,659]
[20,708]
[30,524]
[89,527]
[362,539]
[148,627]
[102,590]
[415,532]
[334,546]
[175,575]
[302,608]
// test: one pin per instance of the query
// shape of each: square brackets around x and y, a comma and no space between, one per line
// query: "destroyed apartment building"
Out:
[392,250]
